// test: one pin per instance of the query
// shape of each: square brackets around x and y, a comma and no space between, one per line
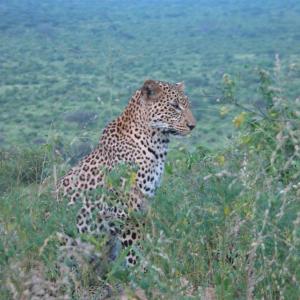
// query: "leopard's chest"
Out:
[151,169]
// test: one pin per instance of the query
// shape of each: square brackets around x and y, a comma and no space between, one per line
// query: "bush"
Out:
[22,166]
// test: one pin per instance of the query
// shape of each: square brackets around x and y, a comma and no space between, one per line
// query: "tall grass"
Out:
[224,224]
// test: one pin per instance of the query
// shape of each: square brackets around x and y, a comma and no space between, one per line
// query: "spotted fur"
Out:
[139,136]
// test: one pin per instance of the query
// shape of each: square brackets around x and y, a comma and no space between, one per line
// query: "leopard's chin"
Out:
[180,133]
[177,133]
[173,132]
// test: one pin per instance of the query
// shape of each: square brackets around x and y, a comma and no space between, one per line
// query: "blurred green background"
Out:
[69,67]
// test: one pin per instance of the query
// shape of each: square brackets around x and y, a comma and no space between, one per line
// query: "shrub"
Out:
[22,166]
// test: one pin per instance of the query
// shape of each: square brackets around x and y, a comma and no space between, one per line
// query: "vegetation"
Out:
[225,223]
[60,58]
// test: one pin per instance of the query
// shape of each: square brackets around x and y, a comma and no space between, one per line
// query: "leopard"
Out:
[139,136]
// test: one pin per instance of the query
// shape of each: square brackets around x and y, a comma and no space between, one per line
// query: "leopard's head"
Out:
[167,107]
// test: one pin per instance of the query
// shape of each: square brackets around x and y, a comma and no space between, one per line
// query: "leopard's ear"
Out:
[180,86]
[151,89]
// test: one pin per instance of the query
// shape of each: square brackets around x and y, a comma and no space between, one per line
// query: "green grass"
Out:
[48,71]
[224,222]
[226,218]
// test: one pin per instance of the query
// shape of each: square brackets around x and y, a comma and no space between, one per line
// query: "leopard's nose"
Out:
[191,126]
[190,120]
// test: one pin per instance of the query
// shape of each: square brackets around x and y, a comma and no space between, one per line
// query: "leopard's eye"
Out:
[175,105]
